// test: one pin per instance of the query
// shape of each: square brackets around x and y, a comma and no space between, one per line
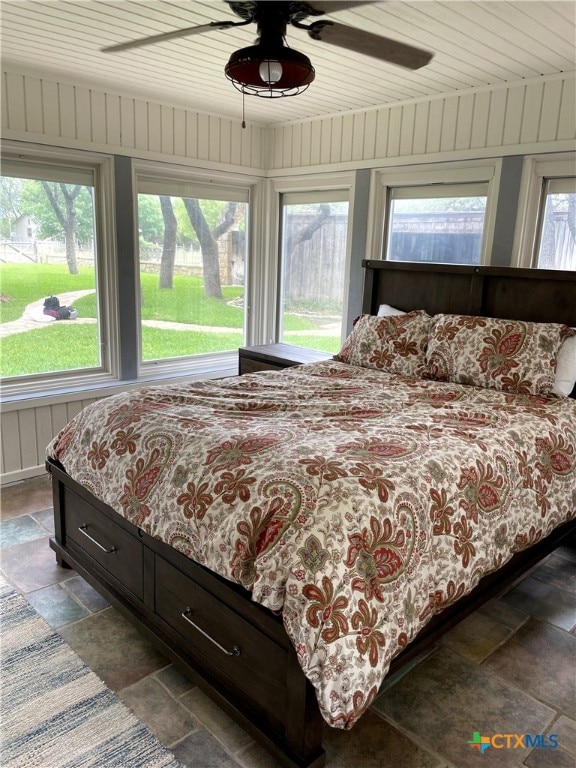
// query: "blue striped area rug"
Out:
[56,713]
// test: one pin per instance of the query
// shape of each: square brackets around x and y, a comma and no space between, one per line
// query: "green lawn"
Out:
[324,343]
[54,347]
[67,347]
[160,344]
[71,346]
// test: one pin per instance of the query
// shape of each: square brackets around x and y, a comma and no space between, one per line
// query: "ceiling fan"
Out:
[270,68]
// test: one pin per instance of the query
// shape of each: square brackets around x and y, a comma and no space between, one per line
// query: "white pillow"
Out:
[565,368]
[385,310]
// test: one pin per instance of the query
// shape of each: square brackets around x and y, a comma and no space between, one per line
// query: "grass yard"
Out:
[178,343]
[324,343]
[53,347]
[73,346]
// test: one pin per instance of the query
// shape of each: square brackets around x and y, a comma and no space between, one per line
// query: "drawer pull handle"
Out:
[235,650]
[84,530]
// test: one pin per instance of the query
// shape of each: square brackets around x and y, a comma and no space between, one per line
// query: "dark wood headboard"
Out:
[540,295]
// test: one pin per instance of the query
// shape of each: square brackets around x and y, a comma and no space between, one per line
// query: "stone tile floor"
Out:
[509,668]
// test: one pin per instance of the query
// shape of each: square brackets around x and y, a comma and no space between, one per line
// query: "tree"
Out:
[208,239]
[150,226]
[440,205]
[295,238]
[169,245]
[62,198]
[10,203]
[61,210]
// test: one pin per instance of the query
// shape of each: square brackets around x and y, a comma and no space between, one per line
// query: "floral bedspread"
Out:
[355,502]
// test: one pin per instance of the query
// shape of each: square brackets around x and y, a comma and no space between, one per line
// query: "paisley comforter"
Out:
[356,503]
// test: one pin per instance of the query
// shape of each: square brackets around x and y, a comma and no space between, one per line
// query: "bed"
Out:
[320,525]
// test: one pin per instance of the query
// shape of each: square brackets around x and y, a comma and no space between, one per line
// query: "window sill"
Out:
[151,374]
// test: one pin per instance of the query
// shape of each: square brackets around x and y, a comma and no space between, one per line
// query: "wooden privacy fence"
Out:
[558,250]
[314,270]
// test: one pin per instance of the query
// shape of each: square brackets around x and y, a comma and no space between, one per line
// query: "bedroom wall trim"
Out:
[23,474]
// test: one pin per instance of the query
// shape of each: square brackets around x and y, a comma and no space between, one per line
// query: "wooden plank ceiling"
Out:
[475,43]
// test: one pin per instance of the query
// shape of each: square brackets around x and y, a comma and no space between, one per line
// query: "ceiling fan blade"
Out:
[376,46]
[169,36]
[331,6]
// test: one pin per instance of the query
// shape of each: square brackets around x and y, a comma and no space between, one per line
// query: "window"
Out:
[192,267]
[557,232]
[313,250]
[440,212]
[51,226]
[545,235]
[439,223]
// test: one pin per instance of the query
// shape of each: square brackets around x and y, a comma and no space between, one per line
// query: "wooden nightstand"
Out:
[274,357]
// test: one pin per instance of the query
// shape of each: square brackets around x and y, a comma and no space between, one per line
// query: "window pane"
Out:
[313,264]
[558,237]
[192,264]
[47,249]
[439,229]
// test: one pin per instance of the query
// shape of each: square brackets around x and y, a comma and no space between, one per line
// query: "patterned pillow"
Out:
[395,344]
[509,355]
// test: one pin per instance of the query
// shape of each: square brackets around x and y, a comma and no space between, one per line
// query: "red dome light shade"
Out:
[244,70]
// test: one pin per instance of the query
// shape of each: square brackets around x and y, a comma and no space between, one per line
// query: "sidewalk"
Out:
[33,317]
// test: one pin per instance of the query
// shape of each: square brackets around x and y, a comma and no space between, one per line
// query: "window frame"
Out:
[537,171]
[40,384]
[383,180]
[321,185]
[210,362]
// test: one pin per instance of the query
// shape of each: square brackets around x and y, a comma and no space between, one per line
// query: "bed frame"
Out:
[232,648]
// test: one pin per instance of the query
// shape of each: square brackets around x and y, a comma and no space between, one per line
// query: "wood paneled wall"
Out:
[27,431]
[39,110]
[538,115]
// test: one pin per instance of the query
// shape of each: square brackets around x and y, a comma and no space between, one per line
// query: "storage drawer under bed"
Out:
[215,633]
[113,548]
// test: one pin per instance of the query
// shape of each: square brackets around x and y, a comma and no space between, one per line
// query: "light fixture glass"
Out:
[270,71]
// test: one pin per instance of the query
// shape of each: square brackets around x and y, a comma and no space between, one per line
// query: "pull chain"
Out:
[243,120]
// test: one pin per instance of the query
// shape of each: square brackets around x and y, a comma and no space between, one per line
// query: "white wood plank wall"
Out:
[44,111]
[27,431]
[533,116]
